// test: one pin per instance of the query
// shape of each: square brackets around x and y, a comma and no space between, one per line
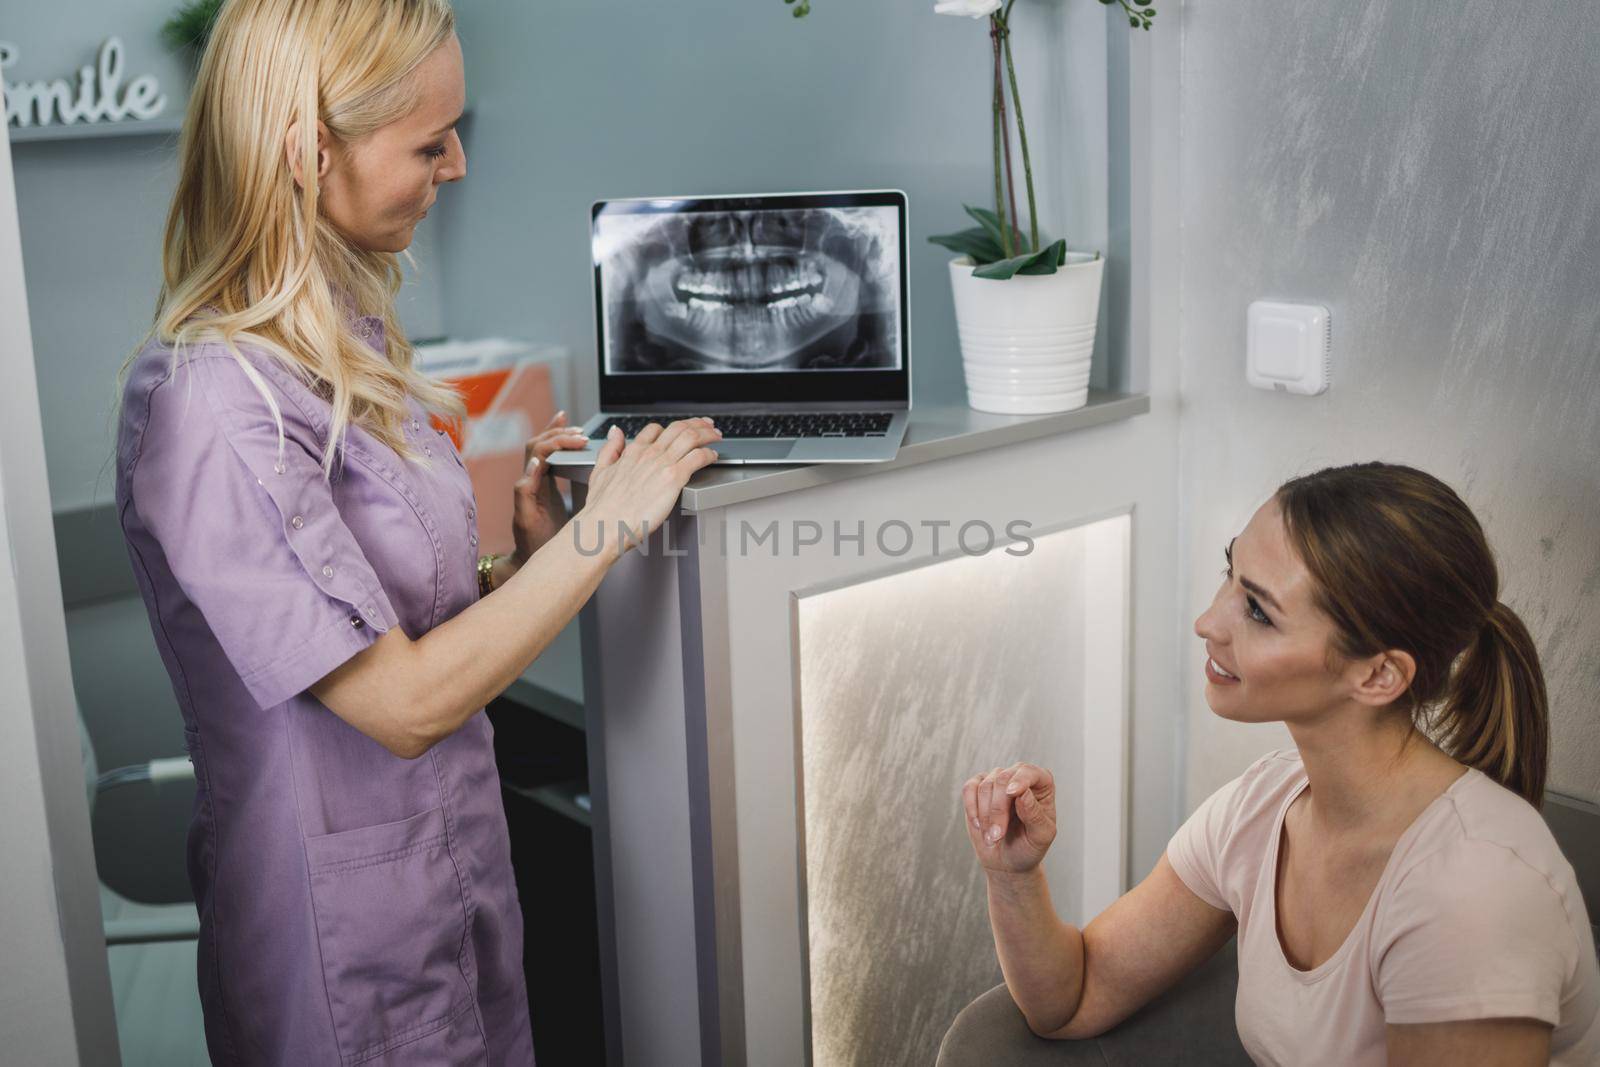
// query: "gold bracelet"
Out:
[486,574]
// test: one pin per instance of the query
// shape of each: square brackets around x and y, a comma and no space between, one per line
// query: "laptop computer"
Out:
[783,317]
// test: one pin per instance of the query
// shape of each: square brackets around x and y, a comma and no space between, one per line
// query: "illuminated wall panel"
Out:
[909,683]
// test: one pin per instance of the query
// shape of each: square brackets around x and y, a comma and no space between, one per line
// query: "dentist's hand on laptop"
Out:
[538,510]
[636,483]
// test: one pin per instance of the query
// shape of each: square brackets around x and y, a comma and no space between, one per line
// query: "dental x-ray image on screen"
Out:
[777,289]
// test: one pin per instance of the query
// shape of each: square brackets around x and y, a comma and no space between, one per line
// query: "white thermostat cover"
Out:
[1288,347]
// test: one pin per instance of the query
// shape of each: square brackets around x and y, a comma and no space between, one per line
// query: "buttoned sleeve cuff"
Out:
[301,667]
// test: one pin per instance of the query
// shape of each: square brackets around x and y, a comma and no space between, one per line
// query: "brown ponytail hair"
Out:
[1400,562]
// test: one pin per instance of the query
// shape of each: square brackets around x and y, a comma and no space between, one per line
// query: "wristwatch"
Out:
[486,574]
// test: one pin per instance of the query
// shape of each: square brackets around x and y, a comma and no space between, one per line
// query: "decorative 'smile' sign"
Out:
[95,99]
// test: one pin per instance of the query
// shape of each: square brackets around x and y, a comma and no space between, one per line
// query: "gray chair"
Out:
[1190,1025]
[147,906]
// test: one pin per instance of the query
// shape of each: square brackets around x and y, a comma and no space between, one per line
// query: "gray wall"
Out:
[92,212]
[580,99]
[1428,173]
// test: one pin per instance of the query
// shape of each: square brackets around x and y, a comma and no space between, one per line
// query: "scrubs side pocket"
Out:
[391,925]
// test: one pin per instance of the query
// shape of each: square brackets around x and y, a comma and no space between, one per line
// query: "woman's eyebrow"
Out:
[1260,592]
[448,125]
[1252,586]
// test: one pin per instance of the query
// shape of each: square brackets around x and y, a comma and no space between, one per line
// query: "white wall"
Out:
[55,993]
[1427,173]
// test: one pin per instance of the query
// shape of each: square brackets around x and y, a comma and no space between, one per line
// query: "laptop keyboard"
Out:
[821,424]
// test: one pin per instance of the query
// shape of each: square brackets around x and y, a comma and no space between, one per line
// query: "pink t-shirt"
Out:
[1477,915]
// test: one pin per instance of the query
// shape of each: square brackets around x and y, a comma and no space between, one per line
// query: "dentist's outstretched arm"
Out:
[1073,983]
[409,695]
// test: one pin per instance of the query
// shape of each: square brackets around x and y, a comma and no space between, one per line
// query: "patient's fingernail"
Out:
[1013,789]
[993,835]
[976,825]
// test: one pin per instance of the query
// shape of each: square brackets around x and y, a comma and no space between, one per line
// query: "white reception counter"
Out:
[784,694]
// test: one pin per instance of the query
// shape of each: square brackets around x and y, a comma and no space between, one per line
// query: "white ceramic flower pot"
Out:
[1026,341]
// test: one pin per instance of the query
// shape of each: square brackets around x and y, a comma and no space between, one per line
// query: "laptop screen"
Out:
[752,299]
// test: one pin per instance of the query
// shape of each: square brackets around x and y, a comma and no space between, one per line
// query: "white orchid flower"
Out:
[974,8]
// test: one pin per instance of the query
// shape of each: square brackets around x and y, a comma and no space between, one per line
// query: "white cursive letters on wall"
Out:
[96,98]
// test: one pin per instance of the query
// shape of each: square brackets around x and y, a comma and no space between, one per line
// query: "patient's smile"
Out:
[1217,675]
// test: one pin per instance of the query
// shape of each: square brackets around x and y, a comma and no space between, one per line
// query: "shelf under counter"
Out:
[559,797]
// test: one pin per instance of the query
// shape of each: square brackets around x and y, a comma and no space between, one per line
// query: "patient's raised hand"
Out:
[1011,816]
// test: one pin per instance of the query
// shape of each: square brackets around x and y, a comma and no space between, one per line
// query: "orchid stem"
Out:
[1022,135]
[999,128]
[1013,224]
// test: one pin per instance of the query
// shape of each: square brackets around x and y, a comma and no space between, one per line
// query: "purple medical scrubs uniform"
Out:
[355,907]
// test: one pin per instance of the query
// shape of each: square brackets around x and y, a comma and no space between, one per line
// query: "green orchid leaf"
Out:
[1050,264]
[991,222]
[977,244]
[1045,261]
[985,218]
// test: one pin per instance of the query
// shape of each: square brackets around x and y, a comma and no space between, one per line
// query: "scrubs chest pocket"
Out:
[391,924]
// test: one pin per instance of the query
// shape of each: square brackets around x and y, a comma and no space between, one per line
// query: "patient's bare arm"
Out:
[1071,983]
[1011,822]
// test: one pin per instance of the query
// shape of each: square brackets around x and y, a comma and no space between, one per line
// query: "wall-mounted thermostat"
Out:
[1289,347]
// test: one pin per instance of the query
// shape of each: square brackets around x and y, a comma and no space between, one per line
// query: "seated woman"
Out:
[1396,896]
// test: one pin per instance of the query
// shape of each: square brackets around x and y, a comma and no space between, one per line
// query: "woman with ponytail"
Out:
[305,541]
[1396,896]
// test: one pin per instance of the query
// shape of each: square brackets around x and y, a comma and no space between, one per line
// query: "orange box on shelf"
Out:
[512,389]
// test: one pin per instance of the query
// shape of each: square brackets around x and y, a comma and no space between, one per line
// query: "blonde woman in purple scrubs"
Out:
[306,546]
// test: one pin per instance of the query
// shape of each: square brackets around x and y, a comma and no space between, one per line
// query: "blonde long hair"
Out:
[246,255]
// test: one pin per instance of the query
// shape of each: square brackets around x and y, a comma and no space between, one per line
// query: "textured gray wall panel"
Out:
[1429,174]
